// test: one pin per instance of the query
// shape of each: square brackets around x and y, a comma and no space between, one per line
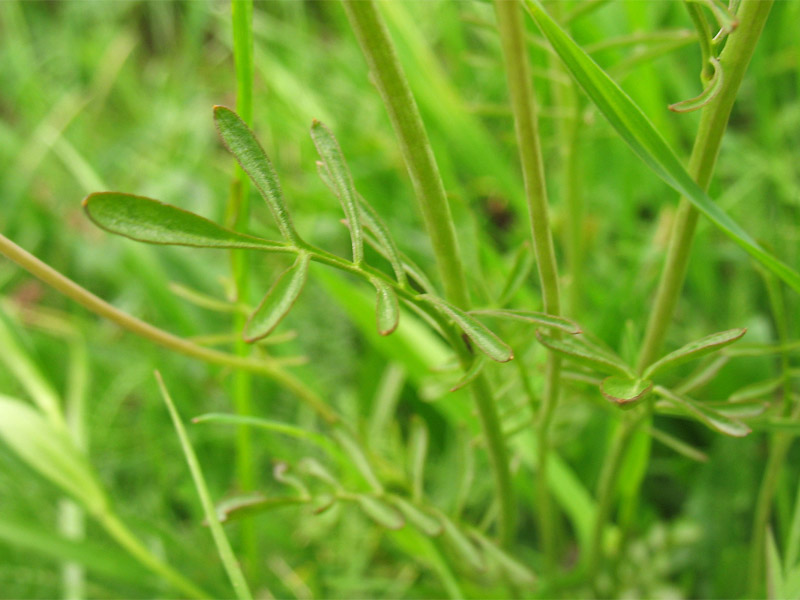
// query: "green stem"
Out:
[378,49]
[123,536]
[242,19]
[713,121]
[523,104]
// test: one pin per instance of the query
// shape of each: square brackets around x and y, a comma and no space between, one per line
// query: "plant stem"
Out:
[713,121]
[378,49]
[523,104]
[242,19]
[123,536]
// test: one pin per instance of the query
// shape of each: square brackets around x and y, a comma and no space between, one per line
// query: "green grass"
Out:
[352,470]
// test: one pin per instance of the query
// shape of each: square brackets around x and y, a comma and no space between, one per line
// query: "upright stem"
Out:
[242,18]
[376,44]
[734,59]
[523,104]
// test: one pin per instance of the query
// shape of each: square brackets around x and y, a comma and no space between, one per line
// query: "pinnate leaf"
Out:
[278,301]
[241,142]
[486,341]
[646,142]
[695,349]
[147,220]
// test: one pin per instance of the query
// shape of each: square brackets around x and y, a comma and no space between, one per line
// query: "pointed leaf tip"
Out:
[278,301]
[696,349]
[387,308]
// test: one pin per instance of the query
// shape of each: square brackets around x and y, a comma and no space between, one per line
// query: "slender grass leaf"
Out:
[147,220]
[425,523]
[486,341]
[646,142]
[535,318]
[241,507]
[387,309]
[708,416]
[224,549]
[696,349]
[757,390]
[581,350]
[278,301]
[358,459]
[475,369]
[331,154]
[514,569]
[625,392]
[678,445]
[382,513]
[707,95]
[241,142]
[19,363]
[418,438]
[269,425]
[51,452]
[520,269]
[462,545]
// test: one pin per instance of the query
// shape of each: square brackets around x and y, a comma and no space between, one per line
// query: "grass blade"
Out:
[342,181]
[235,574]
[486,341]
[696,349]
[241,142]
[278,301]
[147,220]
[646,142]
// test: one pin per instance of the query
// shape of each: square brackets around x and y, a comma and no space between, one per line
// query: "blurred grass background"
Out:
[118,95]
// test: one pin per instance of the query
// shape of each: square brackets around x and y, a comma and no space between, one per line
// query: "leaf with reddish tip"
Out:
[387,309]
[241,142]
[695,349]
[147,220]
[485,340]
[278,301]
[625,392]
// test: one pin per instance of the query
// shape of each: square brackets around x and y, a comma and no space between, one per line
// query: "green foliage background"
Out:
[118,95]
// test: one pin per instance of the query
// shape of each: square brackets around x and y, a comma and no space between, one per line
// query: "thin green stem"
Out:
[123,536]
[523,104]
[378,49]
[242,19]
[713,121]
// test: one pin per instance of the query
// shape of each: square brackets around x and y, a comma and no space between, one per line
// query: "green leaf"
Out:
[475,369]
[646,142]
[678,445]
[704,414]
[514,569]
[379,229]
[581,350]
[427,524]
[523,263]
[382,513]
[773,567]
[358,459]
[486,341]
[278,301]
[51,452]
[625,392]
[224,549]
[757,390]
[418,437]
[241,507]
[147,220]
[535,318]
[696,349]
[707,95]
[342,181]
[241,142]
[462,545]
[387,309]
